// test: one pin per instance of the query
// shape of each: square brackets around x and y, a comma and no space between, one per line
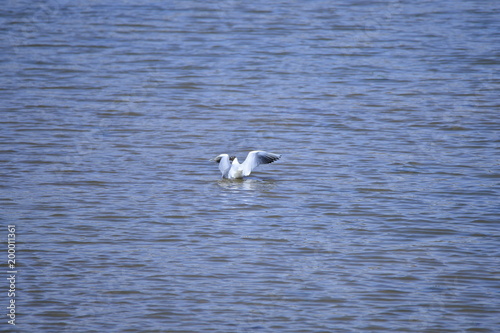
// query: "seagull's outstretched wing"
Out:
[256,158]
[224,163]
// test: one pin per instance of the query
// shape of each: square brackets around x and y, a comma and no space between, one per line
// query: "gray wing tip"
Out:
[269,158]
[219,158]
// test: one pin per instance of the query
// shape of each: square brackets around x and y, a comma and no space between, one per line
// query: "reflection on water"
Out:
[248,184]
[381,217]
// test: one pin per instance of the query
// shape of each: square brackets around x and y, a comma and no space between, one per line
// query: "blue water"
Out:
[381,216]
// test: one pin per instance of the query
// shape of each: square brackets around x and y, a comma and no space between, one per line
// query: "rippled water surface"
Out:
[381,216]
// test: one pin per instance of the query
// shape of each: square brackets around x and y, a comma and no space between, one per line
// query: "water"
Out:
[381,216]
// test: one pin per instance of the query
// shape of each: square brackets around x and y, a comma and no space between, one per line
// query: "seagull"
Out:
[232,169]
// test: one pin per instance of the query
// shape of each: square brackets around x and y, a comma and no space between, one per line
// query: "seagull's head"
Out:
[218,158]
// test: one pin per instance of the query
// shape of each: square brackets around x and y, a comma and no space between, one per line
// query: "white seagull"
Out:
[232,169]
